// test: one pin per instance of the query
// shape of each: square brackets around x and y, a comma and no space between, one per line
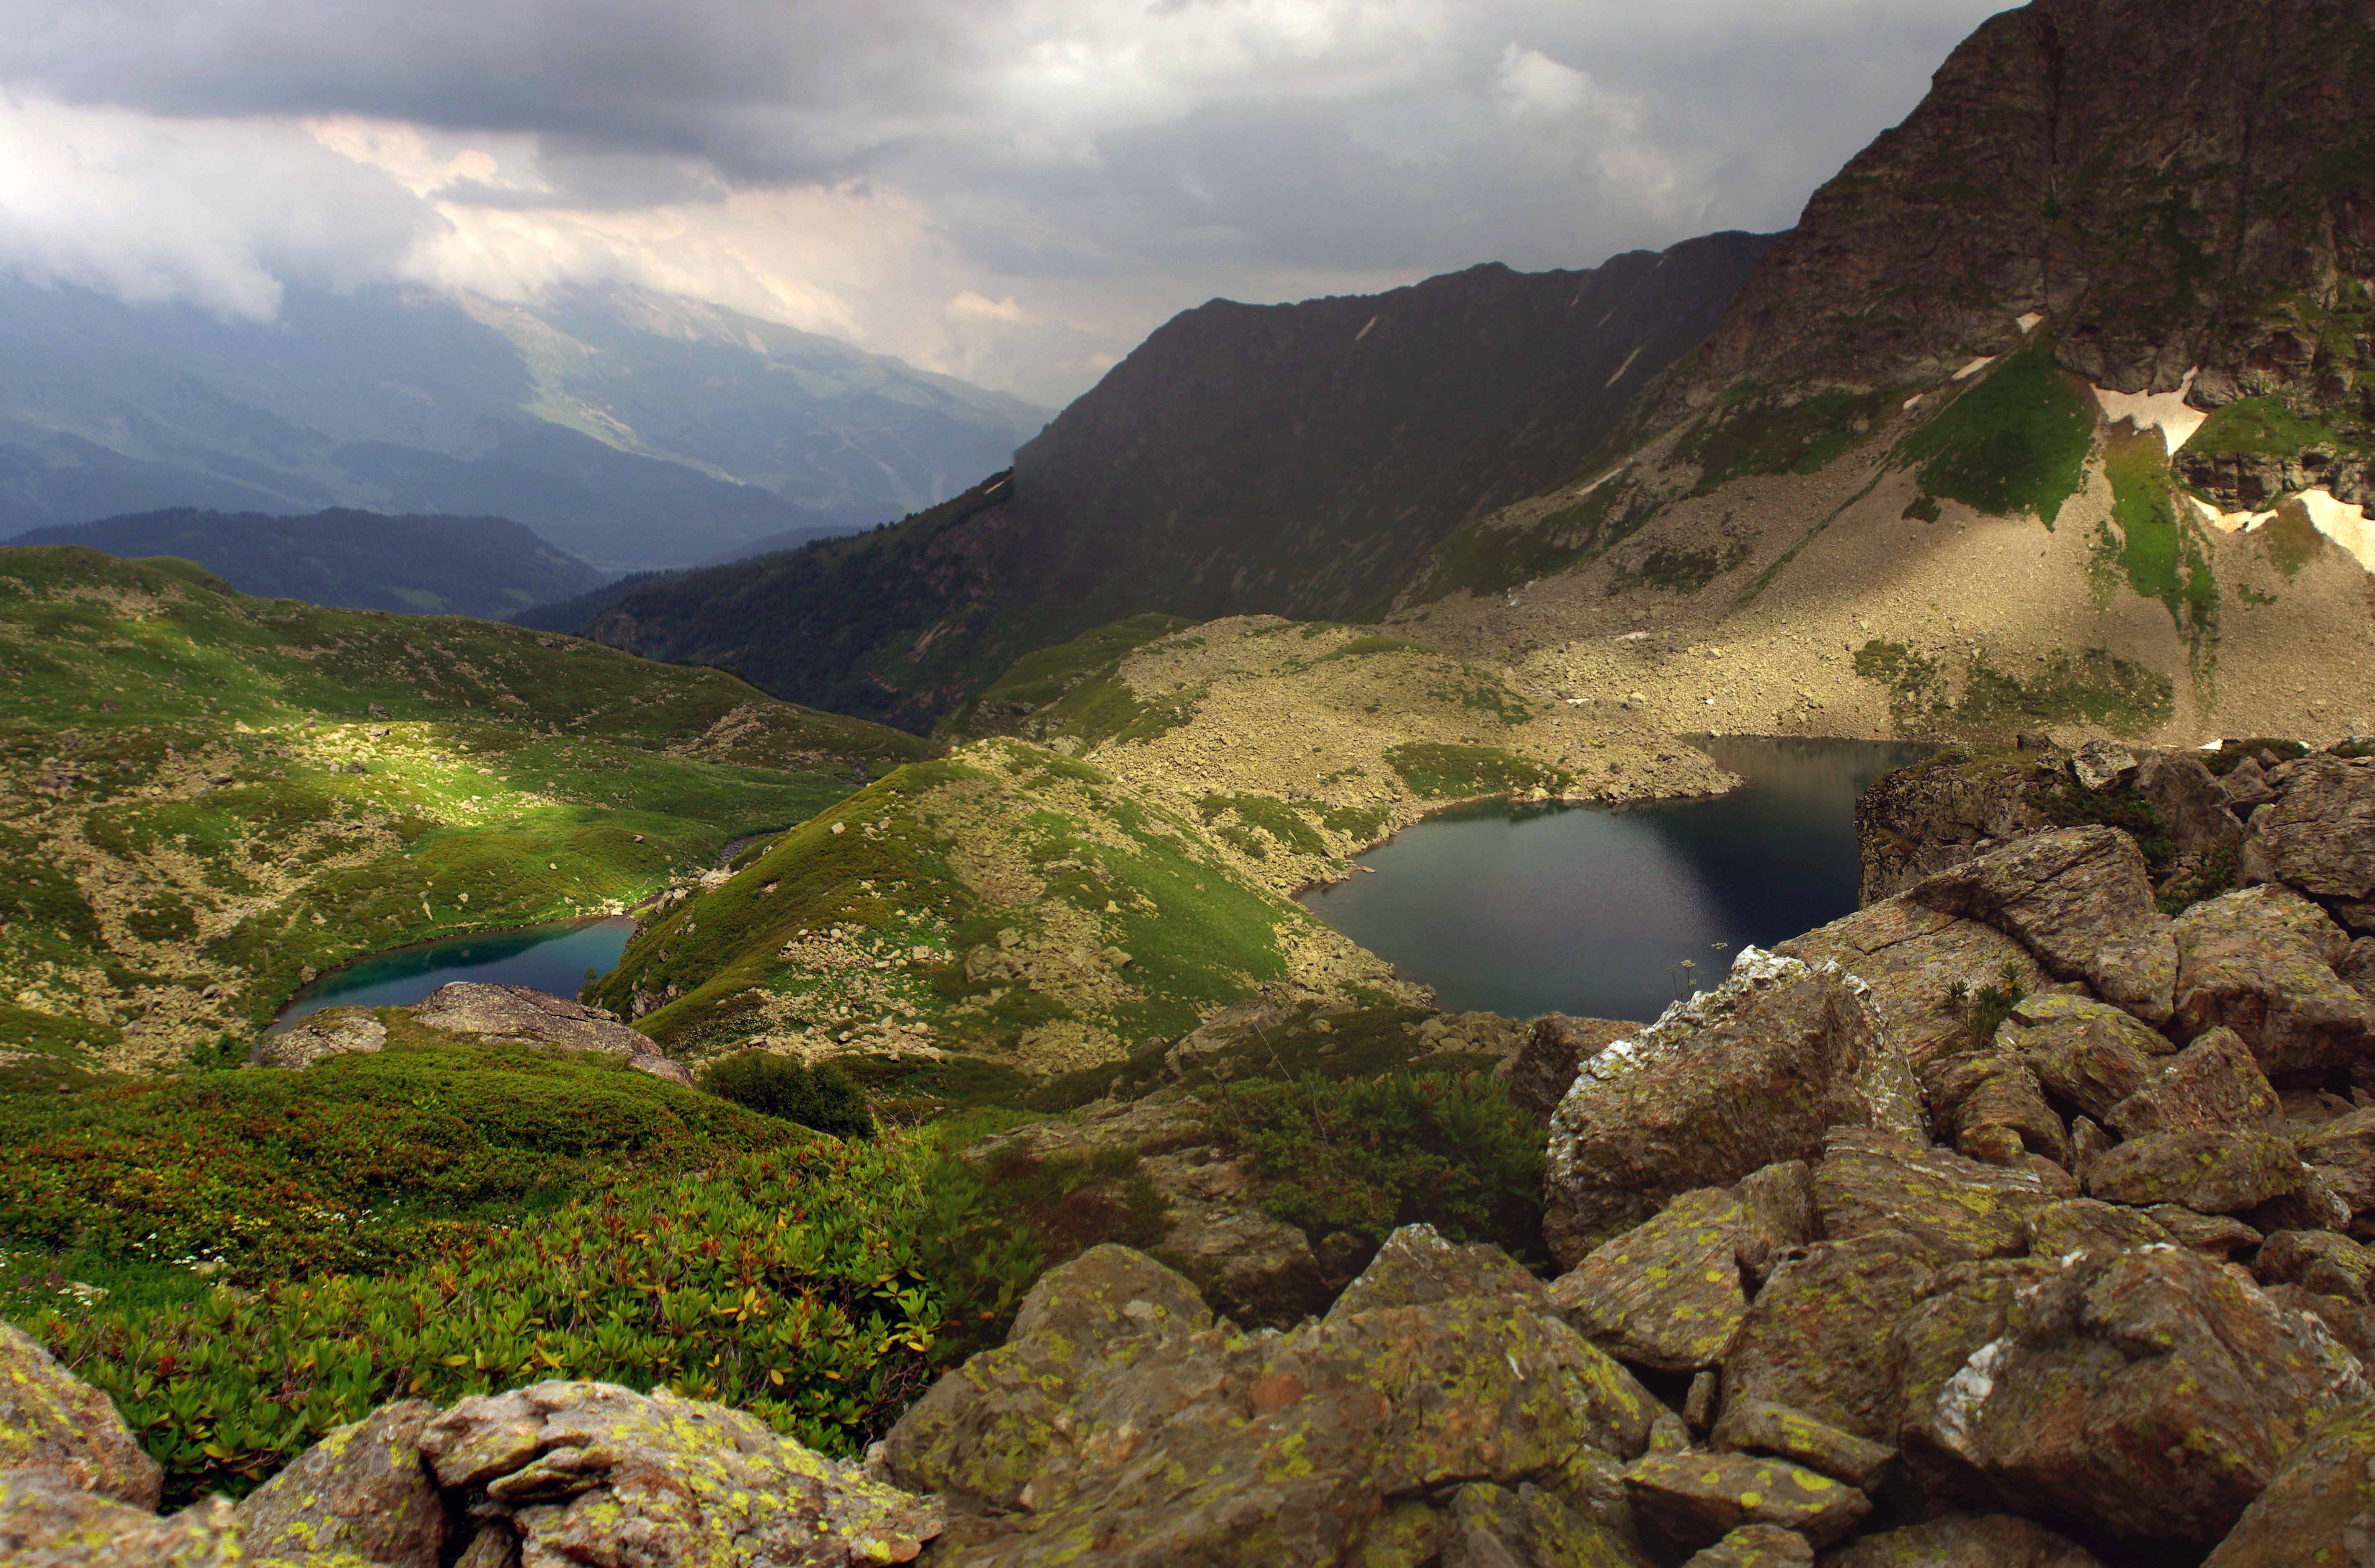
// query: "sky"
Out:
[1015,192]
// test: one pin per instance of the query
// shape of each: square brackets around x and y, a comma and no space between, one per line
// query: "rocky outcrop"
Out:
[48,1521]
[1745,1076]
[51,1421]
[519,1015]
[2261,962]
[335,1032]
[364,1492]
[1535,1076]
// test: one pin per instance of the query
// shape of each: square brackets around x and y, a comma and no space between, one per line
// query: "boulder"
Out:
[334,1031]
[1912,957]
[2352,1325]
[519,1015]
[2320,837]
[1964,1540]
[1815,1337]
[2191,803]
[1499,1526]
[2148,1395]
[1229,1028]
[1690,1501]
[590,1472]
[2317,1261]
[48,1520]
[2100,765]
[1949,1206]
[2009,1100]
[363,1491]
[1535,1076]
[1757,1546]
[1778,1218]
[2219,1235]
[1760,1426]
[2310,1205]
[2084,1052]
[2210,1172]
[1666,1294]
[1114,1425]
[51,1419]
[2246,785]
[2342,1151]
[2214,1085]
[1247,1264]
[2081,900]
[2076,1225]
[1736,1078]
[2320,1508]
[2260,961]
[1417,1268]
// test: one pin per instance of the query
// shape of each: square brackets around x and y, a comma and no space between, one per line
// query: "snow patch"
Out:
[1623,368]
[2165,411]
[1365,331]
[1910,403]
[1974,368]
[2028,321]
[2347,525]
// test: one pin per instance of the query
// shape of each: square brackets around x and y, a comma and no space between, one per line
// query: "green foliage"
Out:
[1285,824]
[1758,432]
[1366,1155]
[361,1162]
[1677,571]
[1362,646]
[2162,556]
[2097,686]
[1985,1012]
[820,1097]
[1442,771]
[1041,677]
[2070,805]
[795,1283]
[2258,427]
[1491,556]
[1922,508]
[2015,443]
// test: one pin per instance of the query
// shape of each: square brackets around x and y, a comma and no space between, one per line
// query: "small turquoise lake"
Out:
[1526,910]
[549,958]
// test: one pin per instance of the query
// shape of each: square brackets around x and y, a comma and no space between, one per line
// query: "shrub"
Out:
[1366,1155]
[820,1098]
[790,1284]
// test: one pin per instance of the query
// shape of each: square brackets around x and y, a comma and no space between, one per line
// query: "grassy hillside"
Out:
[481,566]
[207,797]
[1024,912]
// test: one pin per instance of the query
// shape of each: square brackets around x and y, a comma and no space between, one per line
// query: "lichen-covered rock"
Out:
[1160,1444]
[2320,837]
[2319,1509]
[2085,1052]
[1254,1268]
[2260,961]
[2191,804]
[1667,1293]
[1760,1426]
[2083,1224]
[363,1491]
[1690,1501]
[1416,1266]
[2342,1151]
[521,1015]
[2214,1085]
[2100,765]
[1757,1546]
[2351,1323]
[1734,1079]
[2316,1260]
[2148,1396]
[2081,900]
[1964,1540]
[1816,1336]
[1497,1526]
[1952,1207]
[2210,1172]
[1535,1076]
[1778,1217]
[335,1032]
[49,1418]
[2217,1235]
[47,1520]
[2010,1101]
[1913,957]
[590,1472]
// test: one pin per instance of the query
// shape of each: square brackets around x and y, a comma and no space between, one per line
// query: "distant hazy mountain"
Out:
[632,429]
[1300,460]
[488,567]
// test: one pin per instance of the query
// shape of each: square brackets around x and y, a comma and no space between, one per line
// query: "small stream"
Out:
[1526,910]
[549,958]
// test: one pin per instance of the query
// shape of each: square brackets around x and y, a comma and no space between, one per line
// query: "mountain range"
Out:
[488,567]
[631,428]
[2053,409]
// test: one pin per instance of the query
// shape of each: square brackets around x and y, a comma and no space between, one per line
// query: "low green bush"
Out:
[820,1097]
[1366,1155]
[798,1284]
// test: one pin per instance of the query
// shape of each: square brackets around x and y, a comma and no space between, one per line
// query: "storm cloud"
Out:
[1010,190]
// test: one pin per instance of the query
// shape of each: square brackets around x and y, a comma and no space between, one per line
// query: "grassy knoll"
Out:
[2016,441]
[1027,911]
[208,796]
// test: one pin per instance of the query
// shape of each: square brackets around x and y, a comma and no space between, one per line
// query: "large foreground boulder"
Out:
[2320,835]
[1119,1424]
[48,1521]
[521,1015]
[51,1419]
[2081,900]
[2320,1508]
[1918,961]
[335,1032]
[1748,1075]
[2260,961]
[2148,1396]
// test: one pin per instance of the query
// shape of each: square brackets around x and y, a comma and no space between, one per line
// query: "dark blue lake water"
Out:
[1527,909]
[549,958]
